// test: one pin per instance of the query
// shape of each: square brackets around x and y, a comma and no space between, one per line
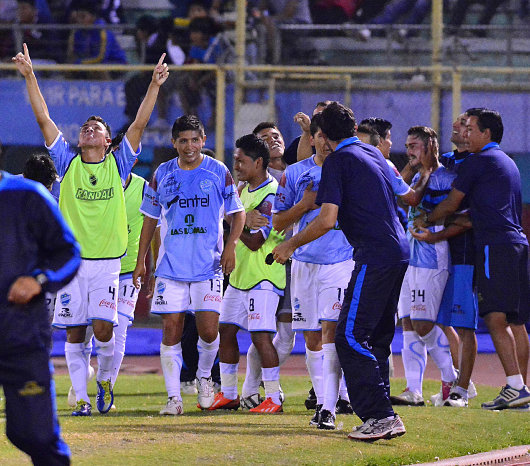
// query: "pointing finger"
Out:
[161,59]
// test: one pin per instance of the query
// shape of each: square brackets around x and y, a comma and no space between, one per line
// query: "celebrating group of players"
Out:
[335,213]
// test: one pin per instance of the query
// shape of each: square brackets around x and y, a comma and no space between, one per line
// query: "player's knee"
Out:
[422,327]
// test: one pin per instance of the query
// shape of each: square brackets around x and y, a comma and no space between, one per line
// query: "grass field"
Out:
[135,434]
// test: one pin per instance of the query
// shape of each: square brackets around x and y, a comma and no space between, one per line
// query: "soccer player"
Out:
[459,306]
[284,339]
[320,274]
[492,183]
[190,194]
[254,290]
[92,202]
[355,189]
[425,279]
[38,254]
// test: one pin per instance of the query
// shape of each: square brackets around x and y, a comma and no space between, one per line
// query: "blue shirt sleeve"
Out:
[151,201]
[330,187]
[125,157]
[285,194]
[232,202]
[398,183]
[61,153]
[265,209]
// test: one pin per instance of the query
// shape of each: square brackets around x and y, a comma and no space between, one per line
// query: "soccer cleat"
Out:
[437,399]
[343,407]
[327,420]
[456,400]
[509,397]
[407,398]
[521,408]
[205,392]
[377,429]
[105,397]
[267,407]
[173,407]
[188,388]
[282,395]
[311,400]
[220,402]
[71,392]
[316,417]
[471,390]
[82,408]
[251,401]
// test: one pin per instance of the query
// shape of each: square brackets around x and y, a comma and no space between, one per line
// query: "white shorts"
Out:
[421,293]
[127,297]
[171,296]
[252,310]
[317,292]
[92,294]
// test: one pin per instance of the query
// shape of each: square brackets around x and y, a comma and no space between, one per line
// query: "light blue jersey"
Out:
[398,183]
[328,249]
[190,205]
[423,254]
[62,154]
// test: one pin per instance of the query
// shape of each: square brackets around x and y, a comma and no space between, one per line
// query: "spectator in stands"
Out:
[153,38]
[276,12]
[43,43]
[183,7]
[459,10]
[404,11]
[369,9]
[333,11]
[92,46]
[204,48]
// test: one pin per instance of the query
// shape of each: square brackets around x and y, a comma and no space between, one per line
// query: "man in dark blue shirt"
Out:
[355,189]
[38,253]
[491,182]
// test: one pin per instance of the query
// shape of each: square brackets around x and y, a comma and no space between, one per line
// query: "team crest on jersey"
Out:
[65,299]
[206,185]
[161,287]
[93,180]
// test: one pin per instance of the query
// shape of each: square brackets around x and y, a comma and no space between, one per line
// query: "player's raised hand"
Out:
[160,73]
[23,62]
[303,120]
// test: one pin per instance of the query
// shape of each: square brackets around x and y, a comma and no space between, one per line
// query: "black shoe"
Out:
[311,400]
[343,407]
[327,420]
[316,417]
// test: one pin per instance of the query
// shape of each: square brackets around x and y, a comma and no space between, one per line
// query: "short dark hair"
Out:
[147,23]
[264,125]
[316,123]
[338,122]
[375,137]
[381,125]
[254,148]
[86,5]
[208,152]
[100,120]
[40,167]
[187,123]
[424,133]
[488,119]
[205,25]
[323,103]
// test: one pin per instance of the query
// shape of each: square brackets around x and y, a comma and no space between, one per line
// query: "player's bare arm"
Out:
[48,128]
[146,236]
[319,226]
[135,131]
[228,258]
[304,149]
[445,208]
[281,221]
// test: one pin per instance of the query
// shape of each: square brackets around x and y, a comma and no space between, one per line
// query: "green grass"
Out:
[135,434]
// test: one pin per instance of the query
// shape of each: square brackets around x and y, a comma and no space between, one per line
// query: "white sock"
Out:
[105,354]
[438,347]
[120,335]
[515,381]
[332,375]
[343,389]
[207,354]
[461,391]
[88,345]
[253,373]
[283,341]
[77,368]
[229,380]
[414,355]
[271,382]
[171,360]
[314,362]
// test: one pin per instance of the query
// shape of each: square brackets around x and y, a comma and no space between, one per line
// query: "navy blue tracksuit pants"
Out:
[365,330]
[31,420]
